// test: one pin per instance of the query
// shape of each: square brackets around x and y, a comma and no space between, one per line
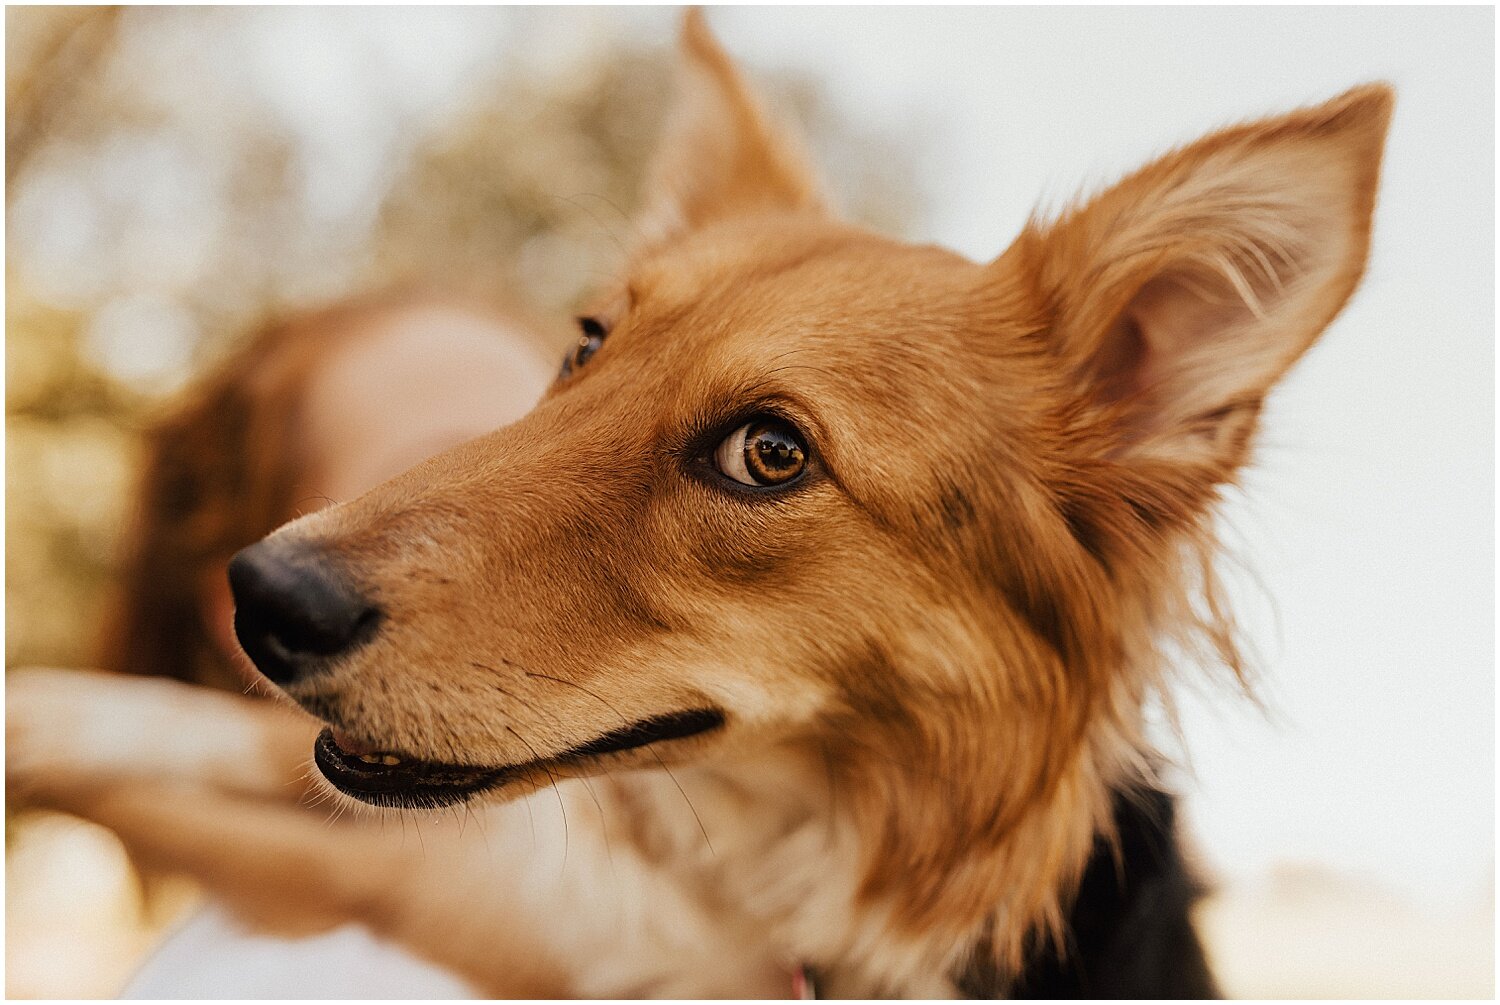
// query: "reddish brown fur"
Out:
[956,619]
[1022,519]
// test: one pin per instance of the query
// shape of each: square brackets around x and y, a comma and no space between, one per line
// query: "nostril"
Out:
[293,609]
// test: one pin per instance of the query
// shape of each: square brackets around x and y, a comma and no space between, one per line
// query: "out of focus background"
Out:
[175,175]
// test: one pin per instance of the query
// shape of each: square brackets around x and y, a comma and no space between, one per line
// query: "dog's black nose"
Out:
[293,611]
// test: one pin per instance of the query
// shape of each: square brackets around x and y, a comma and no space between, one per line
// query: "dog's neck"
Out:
[782,837]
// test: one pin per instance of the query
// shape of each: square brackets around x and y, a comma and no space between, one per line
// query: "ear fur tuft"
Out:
[722,155]
[1180,296]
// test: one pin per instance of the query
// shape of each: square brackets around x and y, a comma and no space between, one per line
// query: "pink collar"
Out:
[803,988]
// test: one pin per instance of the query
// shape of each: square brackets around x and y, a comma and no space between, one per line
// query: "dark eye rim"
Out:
[705,445]
[594,332]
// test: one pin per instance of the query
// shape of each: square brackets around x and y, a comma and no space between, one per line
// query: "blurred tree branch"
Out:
[49,53]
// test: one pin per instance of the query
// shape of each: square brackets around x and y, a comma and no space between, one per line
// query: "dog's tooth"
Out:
[370,758]
[389,759]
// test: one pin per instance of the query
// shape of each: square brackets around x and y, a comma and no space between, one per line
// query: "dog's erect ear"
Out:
[1180,296]
[721,156]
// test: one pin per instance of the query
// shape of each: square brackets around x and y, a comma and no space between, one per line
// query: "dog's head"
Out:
[799,482]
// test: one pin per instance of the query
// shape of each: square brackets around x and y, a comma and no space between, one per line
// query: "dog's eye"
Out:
[590,338]
[762,453]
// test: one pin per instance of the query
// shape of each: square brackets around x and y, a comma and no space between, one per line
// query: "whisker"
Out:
[588,787]
[702,829]
[555,790]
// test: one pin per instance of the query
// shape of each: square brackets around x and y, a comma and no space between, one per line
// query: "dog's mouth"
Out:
[388,779]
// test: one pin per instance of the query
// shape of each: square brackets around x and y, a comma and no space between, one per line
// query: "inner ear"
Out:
[1189,350]
[1173,322]
[1118,370]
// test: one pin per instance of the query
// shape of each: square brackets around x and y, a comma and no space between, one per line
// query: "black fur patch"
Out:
[1129,934]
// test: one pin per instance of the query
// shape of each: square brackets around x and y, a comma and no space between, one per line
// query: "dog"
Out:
[824,592]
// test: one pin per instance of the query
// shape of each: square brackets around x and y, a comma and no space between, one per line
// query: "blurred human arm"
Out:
[528,899]
[70,731]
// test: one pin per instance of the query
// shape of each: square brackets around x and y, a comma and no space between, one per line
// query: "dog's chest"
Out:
[768,861]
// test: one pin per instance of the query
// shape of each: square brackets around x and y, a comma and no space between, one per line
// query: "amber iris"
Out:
[762,453]
[773,454]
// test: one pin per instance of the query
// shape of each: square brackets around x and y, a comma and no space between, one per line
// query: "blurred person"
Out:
[314,408]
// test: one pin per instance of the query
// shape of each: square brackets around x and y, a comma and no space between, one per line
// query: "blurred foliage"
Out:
[175,175]
[69,451]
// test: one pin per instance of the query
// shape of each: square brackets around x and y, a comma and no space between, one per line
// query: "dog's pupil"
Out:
[774,453]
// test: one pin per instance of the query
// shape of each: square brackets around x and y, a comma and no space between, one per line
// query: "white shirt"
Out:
[213,955]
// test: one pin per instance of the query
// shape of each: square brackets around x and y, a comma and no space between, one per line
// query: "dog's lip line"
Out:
[679,725]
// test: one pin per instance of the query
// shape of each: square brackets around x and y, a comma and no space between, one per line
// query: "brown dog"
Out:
[839,570]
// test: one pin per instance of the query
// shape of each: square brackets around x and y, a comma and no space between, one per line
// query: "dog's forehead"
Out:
[837,320]
[773,273]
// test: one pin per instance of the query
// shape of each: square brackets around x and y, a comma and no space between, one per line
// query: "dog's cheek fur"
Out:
[507,646]
[981,728]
